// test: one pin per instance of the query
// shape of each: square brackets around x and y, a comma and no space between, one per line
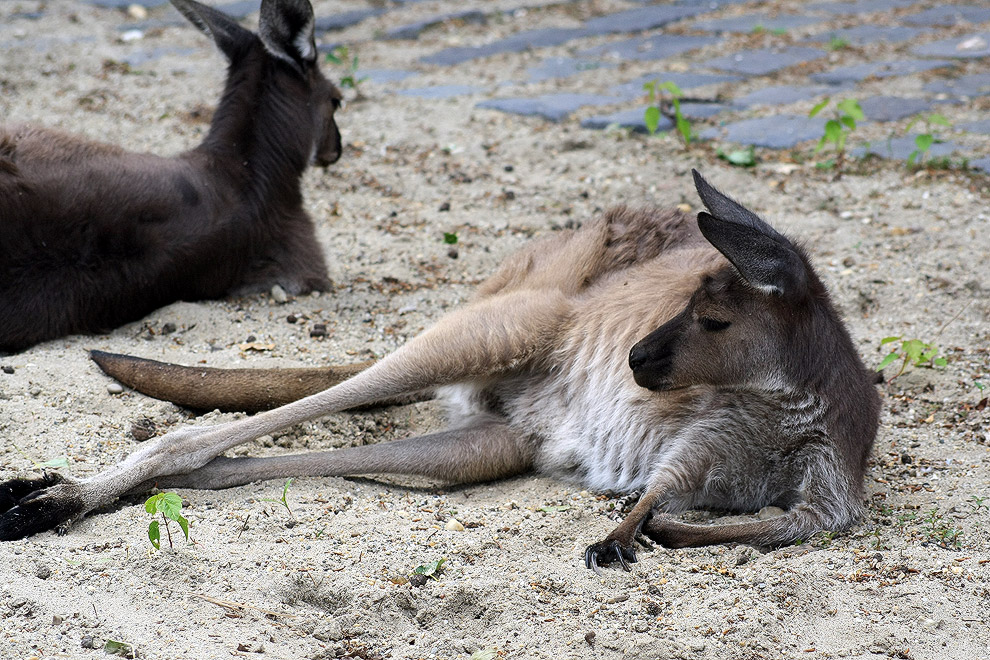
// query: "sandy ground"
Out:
[905,254]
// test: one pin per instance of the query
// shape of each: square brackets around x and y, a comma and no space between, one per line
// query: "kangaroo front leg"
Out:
[620,544]
[467,455]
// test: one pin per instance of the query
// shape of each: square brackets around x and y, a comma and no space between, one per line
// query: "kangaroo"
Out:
[92,236]
[701,362]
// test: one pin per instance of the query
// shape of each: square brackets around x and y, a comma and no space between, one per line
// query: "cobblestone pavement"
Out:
[758,66]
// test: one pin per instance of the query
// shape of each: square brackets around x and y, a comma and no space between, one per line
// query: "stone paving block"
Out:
[949,15]
[554,107]
[145,55]
[384,76]
[752,22]
[892,108]
[413,30]
[975,84]
[765,60]
[540,38]
[634,88]
[887,69]
[632,119]
[636,20]
[900,148]
[774,132]
[863,7]
[562,67]
[344,19]
[650,48]
[980,126]
[867,34]
[441,91]
[968,46]
[785,94]
[981,164]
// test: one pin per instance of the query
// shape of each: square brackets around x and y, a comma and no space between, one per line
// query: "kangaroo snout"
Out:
[652,359]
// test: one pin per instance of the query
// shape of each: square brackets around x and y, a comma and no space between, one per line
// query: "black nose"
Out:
[637,356]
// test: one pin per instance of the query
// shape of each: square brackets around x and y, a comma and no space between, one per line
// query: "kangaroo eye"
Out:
[713,325]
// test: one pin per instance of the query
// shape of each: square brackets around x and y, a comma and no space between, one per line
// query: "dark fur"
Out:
[92,236]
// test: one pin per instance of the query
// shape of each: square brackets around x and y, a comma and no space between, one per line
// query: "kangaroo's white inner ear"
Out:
[287,30]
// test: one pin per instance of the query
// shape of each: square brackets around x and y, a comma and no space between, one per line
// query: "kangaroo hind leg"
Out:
[464,455]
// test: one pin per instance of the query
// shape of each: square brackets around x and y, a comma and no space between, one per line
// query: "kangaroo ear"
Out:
[763,257]
[229,36]
[286,29]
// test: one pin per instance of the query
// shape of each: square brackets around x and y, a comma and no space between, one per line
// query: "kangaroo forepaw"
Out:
[608,551]
[30,506]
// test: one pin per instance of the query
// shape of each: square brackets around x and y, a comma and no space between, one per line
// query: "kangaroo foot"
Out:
[608,551]
[30,506]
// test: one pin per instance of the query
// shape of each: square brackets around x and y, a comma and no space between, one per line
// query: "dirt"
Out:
[904,253]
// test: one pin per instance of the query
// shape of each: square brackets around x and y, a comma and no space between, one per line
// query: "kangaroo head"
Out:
[286,34]
[739,325]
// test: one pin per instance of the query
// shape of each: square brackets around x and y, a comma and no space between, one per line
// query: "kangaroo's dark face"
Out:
[326,101]
[735,328]
[728,334]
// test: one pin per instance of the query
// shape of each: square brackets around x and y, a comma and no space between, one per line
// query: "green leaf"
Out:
[940,362]
[449,238]
[59,462]
[941,120]
[122,649]
[683,127]
[833,131]
[433,569]
[184,524]
[170,506]
[151,504]
[887,361]
[912,348]
[852,108]
[887,340]
[739,157]
[671,87]
[651,88]
[484,654]
[651,117]
[848,121]
[924,141]
[818,108]
[554,508]
[155,535]
[913,156]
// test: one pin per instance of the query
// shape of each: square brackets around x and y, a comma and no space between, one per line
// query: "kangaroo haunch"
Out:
[92,236]
[742,389]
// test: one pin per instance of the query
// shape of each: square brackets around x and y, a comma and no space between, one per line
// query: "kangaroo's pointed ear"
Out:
[286,28]
[229,36]
[763,257]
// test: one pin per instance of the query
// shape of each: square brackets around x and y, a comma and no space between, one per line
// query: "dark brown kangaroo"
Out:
[744,391]
[92,236]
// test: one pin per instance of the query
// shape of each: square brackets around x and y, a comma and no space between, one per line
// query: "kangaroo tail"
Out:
[207,388]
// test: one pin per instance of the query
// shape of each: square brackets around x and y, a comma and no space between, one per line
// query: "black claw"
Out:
[30,506]
[608,551]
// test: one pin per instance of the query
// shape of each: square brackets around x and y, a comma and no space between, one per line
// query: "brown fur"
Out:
[93,236]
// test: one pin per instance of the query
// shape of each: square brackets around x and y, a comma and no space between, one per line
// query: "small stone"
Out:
[452,253]
[131,35]
[56,620]
[115,388]
[137,12]
[291,318]
[509,168]
[444,207]
[251,339]
[42,572]
[143,429]
[848,262]
[168,328]
[87,642]
[34,391]
[279,295]
[7,369]
[454,525]
[318,330]
[590,638]
[617,599]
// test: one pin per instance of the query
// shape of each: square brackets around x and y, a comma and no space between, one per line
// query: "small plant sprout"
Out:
[431,570]
[341,56]
[837,43]
[450,238]
[169,505]
[738,157]
[656,100]
[911,352]
[282,500]
[837,129]
[924,141]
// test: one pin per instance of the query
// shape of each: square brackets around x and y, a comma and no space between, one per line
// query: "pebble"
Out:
[454,525]
[115,388]
[137,12]
[318,330]
[7,369]
[279,295]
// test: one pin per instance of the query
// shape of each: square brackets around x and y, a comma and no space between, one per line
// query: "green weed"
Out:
[845,114]
[739,157]
[924,141]
[341,56]
[652,114]
[169,505]
[911,352]
[282,500]
[837,43]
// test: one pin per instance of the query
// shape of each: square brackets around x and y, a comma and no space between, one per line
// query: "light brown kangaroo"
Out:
[744,390]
